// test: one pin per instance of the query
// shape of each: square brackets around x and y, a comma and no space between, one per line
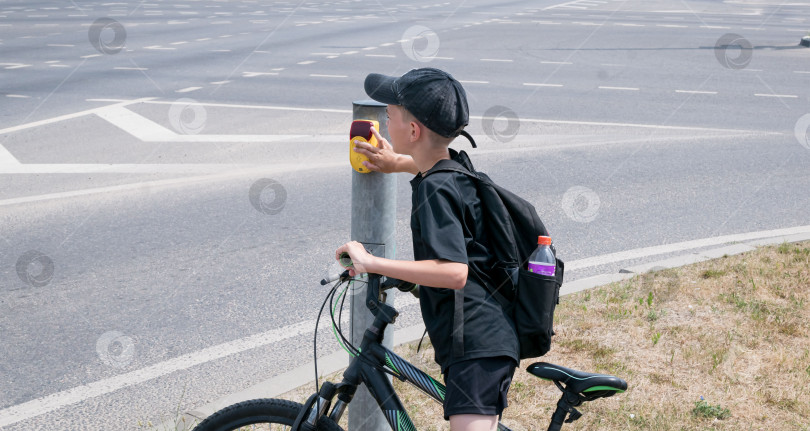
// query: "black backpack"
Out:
[529,298]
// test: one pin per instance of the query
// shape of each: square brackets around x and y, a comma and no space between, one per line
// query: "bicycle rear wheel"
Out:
[261,414]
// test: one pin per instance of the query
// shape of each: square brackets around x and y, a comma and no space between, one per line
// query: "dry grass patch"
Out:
[723,344]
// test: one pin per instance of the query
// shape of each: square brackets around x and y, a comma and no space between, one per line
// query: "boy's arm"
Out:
[433,273]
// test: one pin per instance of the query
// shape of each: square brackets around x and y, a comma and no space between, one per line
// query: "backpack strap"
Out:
[458,323]
[457,164]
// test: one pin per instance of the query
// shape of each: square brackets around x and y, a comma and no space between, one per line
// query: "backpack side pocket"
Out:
[537,297]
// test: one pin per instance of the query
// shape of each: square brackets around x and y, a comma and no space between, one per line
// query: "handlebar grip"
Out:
[345,260]
[341,275]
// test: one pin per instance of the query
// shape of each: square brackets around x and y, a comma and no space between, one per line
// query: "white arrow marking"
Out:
[148,131]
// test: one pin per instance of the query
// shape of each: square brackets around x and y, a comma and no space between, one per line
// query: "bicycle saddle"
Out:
[590,385]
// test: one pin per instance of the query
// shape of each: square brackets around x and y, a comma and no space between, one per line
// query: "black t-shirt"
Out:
[446,224]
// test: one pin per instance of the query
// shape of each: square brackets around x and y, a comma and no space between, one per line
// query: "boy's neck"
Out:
[429,156]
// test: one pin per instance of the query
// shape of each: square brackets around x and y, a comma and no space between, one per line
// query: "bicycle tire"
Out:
[266,411]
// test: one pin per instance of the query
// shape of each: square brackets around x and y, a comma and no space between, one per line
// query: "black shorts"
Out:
[478,386]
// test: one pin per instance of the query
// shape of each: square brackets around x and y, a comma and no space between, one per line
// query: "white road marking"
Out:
[681,246]
[131,68]
[188,89]
[7,159]
[15,65]
[90,56]
[119,168]
[787,96]
[714,26]
[18,96]
[57,400]
[118,103]
[619,88]
[350,52]
[220,82]
[158,47]
[203,39]
[147,130]
[64,45]
[585,23]
[307,62]
[151,101]
[318,75]
[639,125]
[671,25]
[629,24]
[548,22]
[695,92]
[532,84]
[254,74]
[182,42]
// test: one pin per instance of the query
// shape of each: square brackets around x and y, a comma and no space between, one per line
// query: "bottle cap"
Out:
[543,240]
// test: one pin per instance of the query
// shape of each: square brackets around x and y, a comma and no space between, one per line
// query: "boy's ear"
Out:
[416,131]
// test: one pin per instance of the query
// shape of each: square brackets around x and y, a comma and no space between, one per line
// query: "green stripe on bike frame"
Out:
[440,389]
[602,388]
[390,364]
[404,422]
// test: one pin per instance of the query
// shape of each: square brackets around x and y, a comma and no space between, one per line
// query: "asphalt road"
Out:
[132,137]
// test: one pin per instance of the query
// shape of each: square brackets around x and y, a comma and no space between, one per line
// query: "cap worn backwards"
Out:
[433,96]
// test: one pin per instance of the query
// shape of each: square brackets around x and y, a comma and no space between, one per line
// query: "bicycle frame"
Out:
[383,390]
[365,368]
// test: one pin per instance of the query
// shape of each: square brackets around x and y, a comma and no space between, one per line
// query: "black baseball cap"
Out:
[433,96]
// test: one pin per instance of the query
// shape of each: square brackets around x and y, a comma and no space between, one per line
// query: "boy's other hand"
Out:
[382,159]
[361,259]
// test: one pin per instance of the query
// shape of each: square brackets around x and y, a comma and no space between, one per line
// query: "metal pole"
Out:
[373,223]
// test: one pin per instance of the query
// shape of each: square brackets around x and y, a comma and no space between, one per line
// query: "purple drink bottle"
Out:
[542,260]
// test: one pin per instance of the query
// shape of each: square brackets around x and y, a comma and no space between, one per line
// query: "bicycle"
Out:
[370,364]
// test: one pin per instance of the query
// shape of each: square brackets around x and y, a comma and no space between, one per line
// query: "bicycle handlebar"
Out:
[389,283]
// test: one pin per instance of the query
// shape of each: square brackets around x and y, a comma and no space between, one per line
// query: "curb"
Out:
[336,361]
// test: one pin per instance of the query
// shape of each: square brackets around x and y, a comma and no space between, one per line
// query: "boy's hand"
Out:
[361,259]
[382,159]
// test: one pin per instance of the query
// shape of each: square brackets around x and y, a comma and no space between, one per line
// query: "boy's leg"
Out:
[473,423]
[476,392]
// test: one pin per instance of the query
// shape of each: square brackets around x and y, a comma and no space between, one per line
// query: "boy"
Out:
[475,342]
